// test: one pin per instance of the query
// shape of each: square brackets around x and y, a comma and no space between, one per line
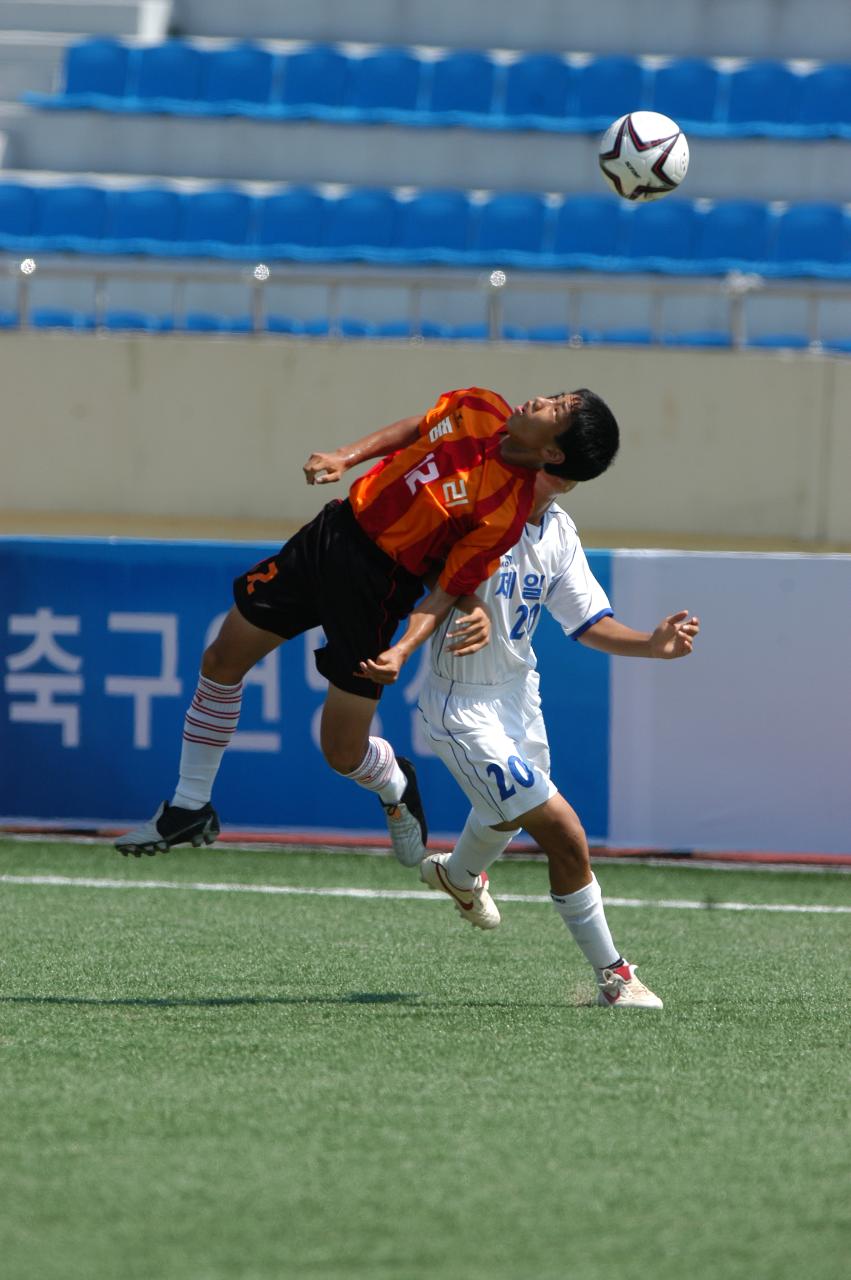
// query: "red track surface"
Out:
[336,839]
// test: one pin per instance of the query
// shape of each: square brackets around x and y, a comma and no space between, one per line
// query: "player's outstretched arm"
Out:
[673,638]
[423,621]
[328,468]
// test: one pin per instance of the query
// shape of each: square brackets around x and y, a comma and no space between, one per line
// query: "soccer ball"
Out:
[643,155]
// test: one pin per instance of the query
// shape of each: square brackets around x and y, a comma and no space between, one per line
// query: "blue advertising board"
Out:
[100,643]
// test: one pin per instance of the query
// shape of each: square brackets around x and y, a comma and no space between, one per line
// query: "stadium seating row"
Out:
[350,327]
[544,91]
[449,228]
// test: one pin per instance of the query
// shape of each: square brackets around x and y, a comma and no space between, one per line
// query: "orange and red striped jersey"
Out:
[449,498]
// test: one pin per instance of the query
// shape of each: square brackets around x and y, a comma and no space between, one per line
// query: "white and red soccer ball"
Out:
[643,155]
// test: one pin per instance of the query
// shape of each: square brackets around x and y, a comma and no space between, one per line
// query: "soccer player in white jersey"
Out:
[483,718]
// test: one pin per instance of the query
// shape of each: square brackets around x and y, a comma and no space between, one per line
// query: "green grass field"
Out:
[212,1085]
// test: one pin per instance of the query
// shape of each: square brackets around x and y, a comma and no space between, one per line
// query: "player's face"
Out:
[534,426]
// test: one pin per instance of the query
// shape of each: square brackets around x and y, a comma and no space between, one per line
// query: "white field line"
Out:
[408,895]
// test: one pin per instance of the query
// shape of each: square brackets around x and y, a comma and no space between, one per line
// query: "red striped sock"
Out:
[379,772]
[208,728]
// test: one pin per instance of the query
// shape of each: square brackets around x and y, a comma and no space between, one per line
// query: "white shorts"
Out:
[493,741]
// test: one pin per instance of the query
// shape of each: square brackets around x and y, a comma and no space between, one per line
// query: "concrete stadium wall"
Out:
[715,444]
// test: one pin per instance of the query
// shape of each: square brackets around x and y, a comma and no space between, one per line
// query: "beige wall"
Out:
[717,445]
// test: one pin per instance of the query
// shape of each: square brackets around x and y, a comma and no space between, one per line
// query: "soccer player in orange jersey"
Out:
[451,493]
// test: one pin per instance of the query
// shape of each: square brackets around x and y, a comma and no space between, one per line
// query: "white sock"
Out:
[208,728]
[478,846]
[584,916]
[379,772]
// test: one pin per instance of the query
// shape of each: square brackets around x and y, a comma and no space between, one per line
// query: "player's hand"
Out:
[471,632]
[324,468]
[384,669]
[675,635]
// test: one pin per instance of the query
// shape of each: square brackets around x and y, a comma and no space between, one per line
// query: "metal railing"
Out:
[492,291]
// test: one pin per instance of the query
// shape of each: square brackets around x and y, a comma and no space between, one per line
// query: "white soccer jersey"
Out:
[546,569]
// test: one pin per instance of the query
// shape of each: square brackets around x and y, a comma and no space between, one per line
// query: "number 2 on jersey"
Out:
[520,770]
[526,619]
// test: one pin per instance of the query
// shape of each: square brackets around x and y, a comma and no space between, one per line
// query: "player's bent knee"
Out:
[342,747]
[218,665]
[236,649]
[342,760]
[344,729]
[569,856]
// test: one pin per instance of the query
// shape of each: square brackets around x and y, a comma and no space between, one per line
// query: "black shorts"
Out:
[331,575]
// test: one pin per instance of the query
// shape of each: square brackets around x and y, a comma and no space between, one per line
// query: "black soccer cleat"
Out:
[168,827]
[406,821]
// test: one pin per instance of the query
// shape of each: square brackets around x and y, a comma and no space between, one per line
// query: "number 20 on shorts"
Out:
[519,770]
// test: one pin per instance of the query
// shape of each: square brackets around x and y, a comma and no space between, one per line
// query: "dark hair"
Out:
[589,442]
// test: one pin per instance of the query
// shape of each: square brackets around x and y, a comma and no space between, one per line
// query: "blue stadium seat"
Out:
[538,84]
[201,322]
[316,328]
[765,92]
[433,331]
[697,338]
[212,218]
[283,324]
[661,230]
[60,318]
[124,321]
[294,216]
[204,322]
[790,341]
[588,225]
[17,209]
[606,88]
[388,79]
[462,81]
[315,76]
[826,96]
[687,89]
[511,223]
[810,233]
[434,219]
[66,215]
[239,73]
[97,66]
[393,329]
[361,219]
[171,70]
[735,232]
[145,214]
[352,327]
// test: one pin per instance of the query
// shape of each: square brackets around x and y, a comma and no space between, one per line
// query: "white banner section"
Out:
[745,745]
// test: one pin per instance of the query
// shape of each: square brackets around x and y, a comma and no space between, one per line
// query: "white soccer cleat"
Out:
[476,906]
[620,989]
[406,820]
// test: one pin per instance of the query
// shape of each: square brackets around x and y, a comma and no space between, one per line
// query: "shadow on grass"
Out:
[217,1002]
[214,1002]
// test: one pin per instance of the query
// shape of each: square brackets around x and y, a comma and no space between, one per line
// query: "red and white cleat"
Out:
[475,905]
[620,989]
